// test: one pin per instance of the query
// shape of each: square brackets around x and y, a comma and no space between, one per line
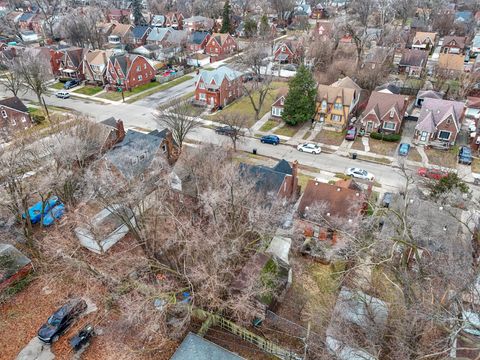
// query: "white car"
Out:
[309,148]
[359,174]
[62,94]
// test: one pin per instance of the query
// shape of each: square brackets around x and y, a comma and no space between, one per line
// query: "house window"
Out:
[14,122]
[277,111]
[4,114]
[164,148]
[201,85]
[202,97]
[338,106]
[389,125]
[140,78]
[336,118]
[444,135]
[24,119]
[392,113]
[324,104]
[229,94]
[138,68]
[144,66]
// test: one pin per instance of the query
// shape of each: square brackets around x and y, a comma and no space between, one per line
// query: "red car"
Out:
[351,133]
[432,173]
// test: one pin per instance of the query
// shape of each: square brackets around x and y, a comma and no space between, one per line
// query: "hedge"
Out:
[385,137]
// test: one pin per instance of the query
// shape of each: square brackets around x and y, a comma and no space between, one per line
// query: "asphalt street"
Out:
[140,115]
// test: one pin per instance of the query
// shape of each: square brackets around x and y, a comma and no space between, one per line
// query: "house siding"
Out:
[12,121]
[227,92]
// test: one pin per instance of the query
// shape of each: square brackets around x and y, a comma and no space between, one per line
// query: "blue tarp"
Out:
[55,213]
[35,211]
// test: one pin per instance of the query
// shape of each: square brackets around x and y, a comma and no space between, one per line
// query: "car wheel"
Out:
[301,150]
[263,142]
[55,338]
[275,143]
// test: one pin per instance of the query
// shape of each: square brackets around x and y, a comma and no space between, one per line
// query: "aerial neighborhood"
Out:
[240,179]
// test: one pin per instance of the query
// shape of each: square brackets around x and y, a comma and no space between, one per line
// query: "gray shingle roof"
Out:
[435,111]
[14,103]
[194,347]
[267,180]
[136,152]
[219,74]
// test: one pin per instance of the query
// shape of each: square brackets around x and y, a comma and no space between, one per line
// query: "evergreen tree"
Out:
[137,12]
[300,102]
[264,28]
[250,27]
[226,26]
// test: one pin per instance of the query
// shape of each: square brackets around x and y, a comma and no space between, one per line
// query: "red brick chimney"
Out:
[120,131]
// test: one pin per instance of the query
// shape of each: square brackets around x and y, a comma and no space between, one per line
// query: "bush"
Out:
[38,119]
[385,137]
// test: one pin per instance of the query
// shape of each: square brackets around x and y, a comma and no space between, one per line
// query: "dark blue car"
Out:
[404,149]
[71,83]
[270,139]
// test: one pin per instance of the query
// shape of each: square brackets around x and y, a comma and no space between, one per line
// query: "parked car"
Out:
[62,94]
[309,148]
[71,84]
[387,199]
[290,67]
[226,130]
[403,149]
[359,174]
[432,173]
[61,320]
[82,338]
[270,139]
[465,156]
[351,133]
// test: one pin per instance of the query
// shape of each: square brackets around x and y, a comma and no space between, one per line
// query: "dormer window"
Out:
[338,105]
[324,104]
[392,113]
[4,114]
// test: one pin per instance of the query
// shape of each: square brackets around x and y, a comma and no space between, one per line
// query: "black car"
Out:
[226,130]
[71,83]
[61,320]
[82,338]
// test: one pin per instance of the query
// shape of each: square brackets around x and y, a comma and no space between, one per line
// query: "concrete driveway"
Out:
[36,350]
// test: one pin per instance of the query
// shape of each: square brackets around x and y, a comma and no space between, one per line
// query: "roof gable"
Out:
[14,103]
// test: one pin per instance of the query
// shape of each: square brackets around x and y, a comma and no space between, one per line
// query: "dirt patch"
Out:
[414,155]
[358,145]
[382,147]
[443,158]
[330,137]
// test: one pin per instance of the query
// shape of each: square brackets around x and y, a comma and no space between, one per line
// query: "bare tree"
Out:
[35,72]
[237,124]
[179,117]
[13,81]
[50,9]
[282,7]
[363,11]
[80,28]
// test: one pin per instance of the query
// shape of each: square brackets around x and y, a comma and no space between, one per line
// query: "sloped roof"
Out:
[220,38]
[139,31]
[382,103]
[14,103]
[463,15]
[346,83]
[121,29]
[267,180]
[122,61]
[473,102]
[26,16]
[97,57]
[331,93]
[435,111]
[134,154]
[423,94]
[476,41]
[421,37]
[459,40]
[158,20]
[197,37]
[451,61]
[197,18]
[341,198]
[15,261]
[198,348]
[323,28]
[158,34]
[414,57]
[219,74]
[76,55]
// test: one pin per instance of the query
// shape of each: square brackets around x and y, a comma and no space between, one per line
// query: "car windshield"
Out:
[52,320]
[351,131]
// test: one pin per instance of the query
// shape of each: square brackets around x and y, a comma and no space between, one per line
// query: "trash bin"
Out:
[354,156]
[254,151]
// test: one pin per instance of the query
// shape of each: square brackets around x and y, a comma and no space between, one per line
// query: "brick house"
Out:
[219,87]
[439,122]
[336,102]
[95,66]
[119,15]
[71,63]
[197,41]
[454,45]
[322,30]
[121,34]
[174,20]
[384,112]
[219,46]
[14,117]
[140,34]
[288,52]
[413,62]
[128,71]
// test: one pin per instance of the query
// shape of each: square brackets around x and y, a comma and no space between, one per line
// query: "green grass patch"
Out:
[287,130]
[269,125]
[243,105]
[160,87]
[380,160]
[88,90]
[57,86]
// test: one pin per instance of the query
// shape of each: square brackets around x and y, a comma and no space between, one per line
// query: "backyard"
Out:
[328,137]
[244,107]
